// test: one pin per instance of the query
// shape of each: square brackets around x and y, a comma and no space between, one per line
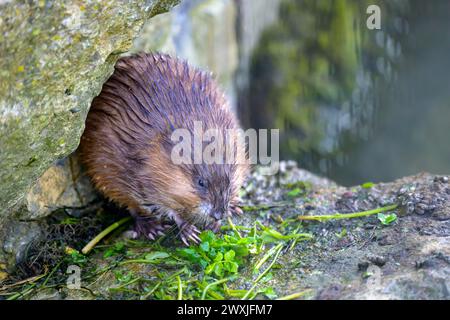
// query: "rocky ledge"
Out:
[403,253]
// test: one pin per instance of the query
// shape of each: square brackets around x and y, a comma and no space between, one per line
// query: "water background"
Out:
[355,104]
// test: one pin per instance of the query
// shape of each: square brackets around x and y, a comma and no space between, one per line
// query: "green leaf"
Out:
[116,249]
[341,234]
[267,277]
[367,185]
[157,255]
[229,255]
[218,269]
[242,251]
[387,219]
[231,267]
[189,253]
[119,246]
[270,293]
[121,277]
[298,184]
[208,236]
[219,257]
[295,192]
[209,268]
[212,252]
[204,246]
[78,258]
[70,220]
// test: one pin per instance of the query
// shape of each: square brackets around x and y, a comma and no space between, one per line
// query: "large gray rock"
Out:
[55,57]
[63,185]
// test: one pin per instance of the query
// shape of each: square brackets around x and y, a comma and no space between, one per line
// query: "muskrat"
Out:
[126,146]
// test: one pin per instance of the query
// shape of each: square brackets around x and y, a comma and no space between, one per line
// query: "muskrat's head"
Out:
[201,194]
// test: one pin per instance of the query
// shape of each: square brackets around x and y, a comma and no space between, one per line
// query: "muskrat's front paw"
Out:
[149,228]
[214,226]
[235,210]
[188,233]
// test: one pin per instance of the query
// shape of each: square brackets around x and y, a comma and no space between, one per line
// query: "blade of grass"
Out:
[294,242]
[226,228]
[123,286]
[103,234]
[349,215]
[29,280]
[267,206]
[205,291]
[51,273]
[212,293]
[294,295]
[148,294]
[233,227]
[264,258]
[279,247]
[180,289]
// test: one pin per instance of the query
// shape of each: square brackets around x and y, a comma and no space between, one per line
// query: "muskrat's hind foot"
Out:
[148,227]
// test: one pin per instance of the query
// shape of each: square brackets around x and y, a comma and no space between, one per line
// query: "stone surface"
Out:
[55,58]
[63,185]
[360,258]
[15,239]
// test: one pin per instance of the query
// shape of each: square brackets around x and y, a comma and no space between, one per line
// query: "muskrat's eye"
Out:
[201,183]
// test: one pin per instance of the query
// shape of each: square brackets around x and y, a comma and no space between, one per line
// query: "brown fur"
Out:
[126,144]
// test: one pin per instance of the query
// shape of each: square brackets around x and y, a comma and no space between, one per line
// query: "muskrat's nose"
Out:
[218,215]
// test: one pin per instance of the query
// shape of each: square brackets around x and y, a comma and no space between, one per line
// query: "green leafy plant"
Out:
[116,249]
[219,256]
[367,185]
[75,257]
[295,193]
[341,234]
[208,270]
[387,219]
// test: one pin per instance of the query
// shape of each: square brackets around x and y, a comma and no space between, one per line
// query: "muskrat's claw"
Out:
[149,227]
[188,233]
[214,226]
[236,211]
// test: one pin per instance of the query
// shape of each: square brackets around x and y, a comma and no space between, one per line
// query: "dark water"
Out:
[351,103]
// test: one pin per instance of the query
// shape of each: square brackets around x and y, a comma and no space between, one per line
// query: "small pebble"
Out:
[362,266]
[377,260]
